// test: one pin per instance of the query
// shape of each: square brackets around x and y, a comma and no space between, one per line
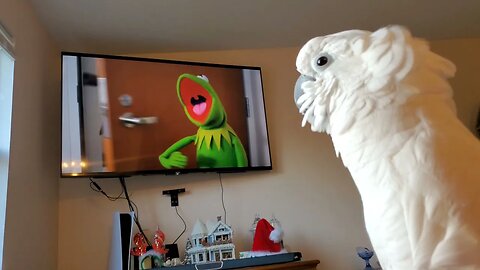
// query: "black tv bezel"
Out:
[163,171]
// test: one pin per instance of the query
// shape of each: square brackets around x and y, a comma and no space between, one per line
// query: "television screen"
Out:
[125,116]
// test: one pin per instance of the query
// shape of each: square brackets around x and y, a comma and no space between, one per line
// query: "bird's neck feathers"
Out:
[376,133]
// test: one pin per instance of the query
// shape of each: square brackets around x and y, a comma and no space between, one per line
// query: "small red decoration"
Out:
[158,242]
[140,245]
[262,241]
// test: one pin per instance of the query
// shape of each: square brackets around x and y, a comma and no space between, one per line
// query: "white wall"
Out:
[32,200]
[465,53]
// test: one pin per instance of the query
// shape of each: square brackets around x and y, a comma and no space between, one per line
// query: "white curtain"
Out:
[6,93]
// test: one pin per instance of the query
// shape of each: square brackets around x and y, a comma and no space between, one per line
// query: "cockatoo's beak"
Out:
[298,87]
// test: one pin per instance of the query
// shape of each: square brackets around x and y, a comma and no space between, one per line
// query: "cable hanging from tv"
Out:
[131,205]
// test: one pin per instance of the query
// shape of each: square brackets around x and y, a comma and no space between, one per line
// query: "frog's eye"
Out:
[203,77]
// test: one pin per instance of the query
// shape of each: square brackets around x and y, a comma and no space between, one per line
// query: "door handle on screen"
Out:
[129,120]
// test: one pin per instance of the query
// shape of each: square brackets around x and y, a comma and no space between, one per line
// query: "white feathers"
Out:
[314,103]
[388,57]
[385,101]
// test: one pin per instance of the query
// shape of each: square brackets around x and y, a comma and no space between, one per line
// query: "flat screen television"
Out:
[124,116]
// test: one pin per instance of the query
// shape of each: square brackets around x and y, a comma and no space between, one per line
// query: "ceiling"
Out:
[137,26]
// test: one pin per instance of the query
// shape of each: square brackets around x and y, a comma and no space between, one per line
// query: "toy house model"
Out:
[211,242]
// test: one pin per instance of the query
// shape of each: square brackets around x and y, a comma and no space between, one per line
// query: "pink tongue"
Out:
[199,109]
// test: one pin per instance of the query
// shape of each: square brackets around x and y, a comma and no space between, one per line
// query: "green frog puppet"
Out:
[217,145]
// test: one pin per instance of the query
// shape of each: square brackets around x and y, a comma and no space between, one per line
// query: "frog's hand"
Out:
[176,159]
[172,157]
[240,155]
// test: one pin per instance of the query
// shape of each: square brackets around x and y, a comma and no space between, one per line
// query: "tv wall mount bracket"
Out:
[173,195]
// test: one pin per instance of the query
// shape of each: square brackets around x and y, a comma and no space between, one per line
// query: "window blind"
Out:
[6,40]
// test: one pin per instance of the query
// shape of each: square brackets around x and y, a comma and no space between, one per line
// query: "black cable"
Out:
[135,216]
[136,208]
[184,225]
[223,201]
[96,187]
[136,213]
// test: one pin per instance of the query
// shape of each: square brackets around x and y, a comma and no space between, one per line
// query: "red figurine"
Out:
[140,245]
[158,242]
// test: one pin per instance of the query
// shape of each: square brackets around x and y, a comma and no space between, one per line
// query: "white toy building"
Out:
[211,242]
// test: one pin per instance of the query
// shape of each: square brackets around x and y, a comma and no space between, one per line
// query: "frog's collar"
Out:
[206,136]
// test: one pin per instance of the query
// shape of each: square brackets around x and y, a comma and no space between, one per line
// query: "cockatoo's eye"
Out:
[322,61]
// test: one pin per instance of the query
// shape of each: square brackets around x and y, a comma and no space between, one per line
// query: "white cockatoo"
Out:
[385,100]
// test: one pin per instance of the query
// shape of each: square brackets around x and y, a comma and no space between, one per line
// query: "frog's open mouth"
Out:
[195,98]
[199,104]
